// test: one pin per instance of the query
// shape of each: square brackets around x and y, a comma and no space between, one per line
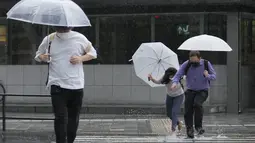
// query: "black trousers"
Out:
[66,107]
[194,108]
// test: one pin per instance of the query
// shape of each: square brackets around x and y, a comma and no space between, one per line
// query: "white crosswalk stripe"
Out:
[129,120]
[147,139]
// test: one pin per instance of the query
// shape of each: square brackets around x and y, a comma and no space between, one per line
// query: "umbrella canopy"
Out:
[205,43]
[153,58]
[49,12]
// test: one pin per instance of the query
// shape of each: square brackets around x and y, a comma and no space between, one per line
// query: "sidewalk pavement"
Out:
[117,128]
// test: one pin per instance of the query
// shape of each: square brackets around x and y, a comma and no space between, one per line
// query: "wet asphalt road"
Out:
[102,129]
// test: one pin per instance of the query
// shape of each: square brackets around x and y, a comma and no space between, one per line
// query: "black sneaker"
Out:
[190,134]
[200,131]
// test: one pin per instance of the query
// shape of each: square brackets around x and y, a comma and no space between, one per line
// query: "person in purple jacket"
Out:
[199,72]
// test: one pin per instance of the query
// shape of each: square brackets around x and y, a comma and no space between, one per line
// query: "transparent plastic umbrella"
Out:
[205,43]
[153,58]
[49,12]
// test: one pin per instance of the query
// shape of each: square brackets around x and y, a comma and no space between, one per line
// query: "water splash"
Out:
[221,137]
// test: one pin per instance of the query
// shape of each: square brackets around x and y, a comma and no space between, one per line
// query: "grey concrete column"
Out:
[233,63]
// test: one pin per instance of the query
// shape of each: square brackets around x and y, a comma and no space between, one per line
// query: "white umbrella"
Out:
[205,43]
[153,58]
[49,12]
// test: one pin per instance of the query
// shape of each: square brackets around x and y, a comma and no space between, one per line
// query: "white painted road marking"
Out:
[120,139]
[127,120]
[117,130]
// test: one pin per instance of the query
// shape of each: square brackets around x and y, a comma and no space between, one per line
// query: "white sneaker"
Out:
[171,136]
[179,126]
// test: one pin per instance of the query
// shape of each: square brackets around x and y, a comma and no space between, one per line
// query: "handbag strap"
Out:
[52,36]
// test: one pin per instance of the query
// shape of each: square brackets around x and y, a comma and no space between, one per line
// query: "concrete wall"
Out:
[105,84]
[247,86]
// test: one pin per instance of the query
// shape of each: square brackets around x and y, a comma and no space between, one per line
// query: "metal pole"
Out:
[3,108]
[3,113]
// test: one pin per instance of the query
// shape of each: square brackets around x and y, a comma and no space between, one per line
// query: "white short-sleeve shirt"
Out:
[63,47]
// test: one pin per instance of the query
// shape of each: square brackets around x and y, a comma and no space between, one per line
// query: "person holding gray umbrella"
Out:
[68,51]
[65,51]
[199,73]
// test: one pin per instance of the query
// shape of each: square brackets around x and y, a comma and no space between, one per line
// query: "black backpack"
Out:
[189,64]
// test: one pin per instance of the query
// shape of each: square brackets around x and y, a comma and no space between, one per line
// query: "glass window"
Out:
[173,30]
[90,33]
[3,41]
[121,36]
[215,24]
[25,40]
[248,41]
[3,37]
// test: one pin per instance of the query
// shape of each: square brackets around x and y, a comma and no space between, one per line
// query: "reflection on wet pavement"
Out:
[227,128]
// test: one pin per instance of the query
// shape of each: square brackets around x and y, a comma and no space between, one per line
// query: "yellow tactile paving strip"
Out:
[161,126]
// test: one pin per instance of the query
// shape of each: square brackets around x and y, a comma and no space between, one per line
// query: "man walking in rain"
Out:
[65,51]
[199,73]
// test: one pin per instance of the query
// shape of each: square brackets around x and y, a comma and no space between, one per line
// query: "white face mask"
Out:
[171,77]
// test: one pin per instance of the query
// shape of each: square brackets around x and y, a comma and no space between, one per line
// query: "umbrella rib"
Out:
[65,15]
[155,53]
[149,58]
[167,63]
[161,52]
[167,57]
[146,67]
[158,69]
[36,13]
[154,69]
[163,66]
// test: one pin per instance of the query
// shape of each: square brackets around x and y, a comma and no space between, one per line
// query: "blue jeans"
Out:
[173,106]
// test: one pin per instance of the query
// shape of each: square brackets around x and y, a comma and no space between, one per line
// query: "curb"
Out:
[112,109]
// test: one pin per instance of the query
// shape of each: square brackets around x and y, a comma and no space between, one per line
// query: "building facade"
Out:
[118,29]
